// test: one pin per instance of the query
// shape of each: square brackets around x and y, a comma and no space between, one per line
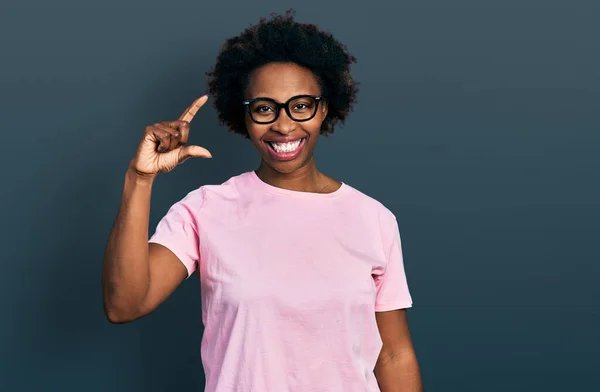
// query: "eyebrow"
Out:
[259,96]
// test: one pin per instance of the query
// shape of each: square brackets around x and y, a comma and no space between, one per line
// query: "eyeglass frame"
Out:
[279,106]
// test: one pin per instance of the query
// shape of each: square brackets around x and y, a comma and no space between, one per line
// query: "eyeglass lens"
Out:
[300,109]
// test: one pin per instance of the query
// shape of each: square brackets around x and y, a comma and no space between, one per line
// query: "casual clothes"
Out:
[290,283]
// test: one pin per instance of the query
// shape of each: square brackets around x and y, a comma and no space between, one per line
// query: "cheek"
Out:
[251,128]
[314,126]
[318,120]
[248,124]
[255,132]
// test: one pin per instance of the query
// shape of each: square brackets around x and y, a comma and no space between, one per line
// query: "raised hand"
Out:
[163,144]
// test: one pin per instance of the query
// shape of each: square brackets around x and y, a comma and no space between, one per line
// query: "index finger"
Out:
[190,112]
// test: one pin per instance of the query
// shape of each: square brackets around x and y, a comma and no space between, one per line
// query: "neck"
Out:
[305,179]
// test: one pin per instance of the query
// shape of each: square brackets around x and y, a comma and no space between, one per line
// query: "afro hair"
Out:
[281,39]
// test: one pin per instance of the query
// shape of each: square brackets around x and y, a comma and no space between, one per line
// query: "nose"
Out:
[284,124]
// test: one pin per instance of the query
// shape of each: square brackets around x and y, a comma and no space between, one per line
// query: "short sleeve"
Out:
[390,282]
[178,231]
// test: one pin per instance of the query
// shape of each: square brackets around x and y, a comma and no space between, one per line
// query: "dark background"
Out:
[478,126]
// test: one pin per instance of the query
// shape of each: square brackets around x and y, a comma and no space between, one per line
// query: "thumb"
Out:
[192,152]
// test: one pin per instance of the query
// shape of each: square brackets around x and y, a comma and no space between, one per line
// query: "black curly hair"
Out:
[282,39]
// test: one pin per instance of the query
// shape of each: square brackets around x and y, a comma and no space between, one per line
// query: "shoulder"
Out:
[373,216]
[367,204]
[231,189]
[228,191]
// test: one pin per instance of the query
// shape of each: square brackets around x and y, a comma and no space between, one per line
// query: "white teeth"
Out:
[286,147]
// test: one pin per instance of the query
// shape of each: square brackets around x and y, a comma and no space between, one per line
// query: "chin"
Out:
[285,167]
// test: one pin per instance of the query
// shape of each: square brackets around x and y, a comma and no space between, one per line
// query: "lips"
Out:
[285,149]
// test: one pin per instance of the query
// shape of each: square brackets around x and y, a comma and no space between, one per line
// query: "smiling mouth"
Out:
[286,148]
[285,151]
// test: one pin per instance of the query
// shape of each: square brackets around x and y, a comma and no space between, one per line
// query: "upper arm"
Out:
[391,284]
[395,335]
[397,367]
[174,250]
[393,295]
[167,272]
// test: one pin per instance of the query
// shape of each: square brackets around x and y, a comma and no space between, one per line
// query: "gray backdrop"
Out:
[477,126]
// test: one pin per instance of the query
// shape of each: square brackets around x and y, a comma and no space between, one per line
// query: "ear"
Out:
[324,109]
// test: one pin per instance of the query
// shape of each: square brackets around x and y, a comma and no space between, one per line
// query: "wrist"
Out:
[138,178]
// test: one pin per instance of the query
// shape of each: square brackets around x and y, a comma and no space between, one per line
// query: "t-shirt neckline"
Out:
[307,195]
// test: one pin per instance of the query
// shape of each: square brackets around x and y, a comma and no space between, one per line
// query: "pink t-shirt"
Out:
[290,283]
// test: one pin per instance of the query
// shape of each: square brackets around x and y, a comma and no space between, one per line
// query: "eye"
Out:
[263,109]
[300,106]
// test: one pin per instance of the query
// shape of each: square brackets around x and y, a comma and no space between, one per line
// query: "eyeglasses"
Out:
[266,110]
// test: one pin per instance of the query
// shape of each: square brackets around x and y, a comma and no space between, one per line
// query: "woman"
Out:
[302,279]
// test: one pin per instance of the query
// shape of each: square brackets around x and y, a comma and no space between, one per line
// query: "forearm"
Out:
[399,374]
[126,272]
